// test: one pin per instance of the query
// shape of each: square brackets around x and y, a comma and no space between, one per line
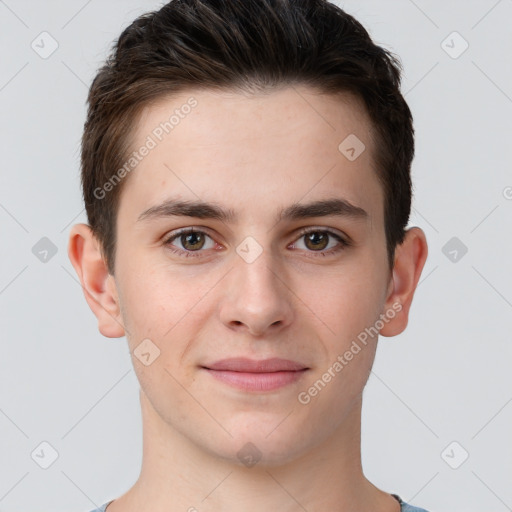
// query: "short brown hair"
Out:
[248,45]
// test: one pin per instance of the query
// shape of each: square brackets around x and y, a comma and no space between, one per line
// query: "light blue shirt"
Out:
[404,507]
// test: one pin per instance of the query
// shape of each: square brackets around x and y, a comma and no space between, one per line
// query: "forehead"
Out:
[268,148]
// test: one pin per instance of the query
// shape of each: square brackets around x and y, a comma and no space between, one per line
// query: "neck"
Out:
[177,475]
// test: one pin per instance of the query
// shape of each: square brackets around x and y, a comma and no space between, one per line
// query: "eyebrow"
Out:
[203,210]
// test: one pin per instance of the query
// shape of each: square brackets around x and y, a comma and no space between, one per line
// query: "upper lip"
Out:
[243,364]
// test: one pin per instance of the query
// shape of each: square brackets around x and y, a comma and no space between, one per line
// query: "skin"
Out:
[256,154]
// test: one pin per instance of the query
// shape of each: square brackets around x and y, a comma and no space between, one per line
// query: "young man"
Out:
[246,175]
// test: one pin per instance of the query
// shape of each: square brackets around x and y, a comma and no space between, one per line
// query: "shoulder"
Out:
[102,508]
[409,508]
[405,507]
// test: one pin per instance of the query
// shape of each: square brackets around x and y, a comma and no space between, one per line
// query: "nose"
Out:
[257,298]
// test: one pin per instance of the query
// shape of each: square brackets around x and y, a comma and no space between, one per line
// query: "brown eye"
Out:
[320,242]
[192,241]
[316,240]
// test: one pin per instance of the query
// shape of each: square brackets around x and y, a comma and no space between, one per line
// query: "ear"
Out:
[410,257]
[98,285]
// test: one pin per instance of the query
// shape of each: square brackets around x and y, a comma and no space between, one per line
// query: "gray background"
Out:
[445,380]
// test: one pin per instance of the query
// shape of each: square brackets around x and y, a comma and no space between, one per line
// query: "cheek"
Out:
[162,306]
[344,302]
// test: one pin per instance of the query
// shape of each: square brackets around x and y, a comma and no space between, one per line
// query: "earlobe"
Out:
[410,257]
[98,285]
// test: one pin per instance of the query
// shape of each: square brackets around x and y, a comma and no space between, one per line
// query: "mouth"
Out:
[252,375]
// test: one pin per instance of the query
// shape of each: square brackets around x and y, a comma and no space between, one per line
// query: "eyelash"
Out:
[343,243]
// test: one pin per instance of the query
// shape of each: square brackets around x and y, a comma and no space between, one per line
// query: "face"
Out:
[265,274]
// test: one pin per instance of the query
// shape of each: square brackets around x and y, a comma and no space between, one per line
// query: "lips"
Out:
[242,364]
[253,375]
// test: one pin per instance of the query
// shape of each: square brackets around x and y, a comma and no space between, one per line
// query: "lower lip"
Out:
[257,381]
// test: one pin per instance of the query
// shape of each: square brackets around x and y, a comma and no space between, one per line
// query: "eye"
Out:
[317,240]
[191,241]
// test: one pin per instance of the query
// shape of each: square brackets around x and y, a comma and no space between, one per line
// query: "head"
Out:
[215,45]
[257,119]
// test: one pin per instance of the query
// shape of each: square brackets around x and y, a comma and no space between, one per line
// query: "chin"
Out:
[257,445]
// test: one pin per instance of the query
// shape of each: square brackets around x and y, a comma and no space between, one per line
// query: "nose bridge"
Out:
[257,275]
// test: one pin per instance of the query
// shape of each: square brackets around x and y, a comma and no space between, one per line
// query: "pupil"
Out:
[317,239]
[190,237]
